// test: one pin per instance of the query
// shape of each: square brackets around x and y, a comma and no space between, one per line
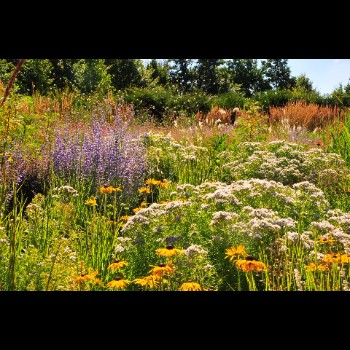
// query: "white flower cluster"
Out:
[282,161]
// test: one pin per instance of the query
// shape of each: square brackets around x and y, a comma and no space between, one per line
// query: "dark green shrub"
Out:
[276,98]
[191,103]
[229,100]
[279,98]
[155,101]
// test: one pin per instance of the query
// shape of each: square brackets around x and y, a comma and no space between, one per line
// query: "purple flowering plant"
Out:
[102,152]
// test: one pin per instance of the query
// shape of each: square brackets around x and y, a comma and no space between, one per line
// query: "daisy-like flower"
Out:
[91,201]
[319,267]
[117,264]
[345,258]
[169,251]
[163,184]
[311,267]
[144,190]
[324,240]
[118,283]
[124,217]
[332,258]
[247,265]
[323,267]
[233,251]
[337,258]
[88,277]
[161,269]
[190,286]
[152,182]
[105,189]
[109,189]
[157,183]
[117,189]
[82,278]
[151,281]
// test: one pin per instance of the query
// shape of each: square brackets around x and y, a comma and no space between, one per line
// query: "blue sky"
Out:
[325,74]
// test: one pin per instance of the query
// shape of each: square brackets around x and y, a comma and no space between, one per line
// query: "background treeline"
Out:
[169,87]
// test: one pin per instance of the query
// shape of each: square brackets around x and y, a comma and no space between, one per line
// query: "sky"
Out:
[325,74]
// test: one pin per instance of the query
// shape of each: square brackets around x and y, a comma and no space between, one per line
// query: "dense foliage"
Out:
[165,86]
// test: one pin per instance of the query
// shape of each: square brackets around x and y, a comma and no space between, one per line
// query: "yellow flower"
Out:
[151,281]
[144,190]
[319,267]
[161,269]
[124,218]
[117,264]
[118,283]
[311,267]
[156,183]
[326,240]
[250,265]
[109,189]
[323,267]
[190,286]
[89,277]
[152,182]
[169,251]
[163,184]
[337,258]
[105,189]
[345,258]
[91,201]
[81,278]
[233,251]
[332,258]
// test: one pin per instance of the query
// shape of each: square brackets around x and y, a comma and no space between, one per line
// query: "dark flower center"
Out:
[249,257]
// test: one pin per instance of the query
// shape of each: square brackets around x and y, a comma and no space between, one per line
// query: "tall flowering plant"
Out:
[102,152]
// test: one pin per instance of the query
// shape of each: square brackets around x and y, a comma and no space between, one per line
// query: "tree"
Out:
[304,83]
[92,75]
[341,95]
[35,75]
[207,75]
[247,74]
[6,69]
[182,74]
[159,72]
[347,88]
[277,74]
[62,72]
[125,73]
[12,80]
